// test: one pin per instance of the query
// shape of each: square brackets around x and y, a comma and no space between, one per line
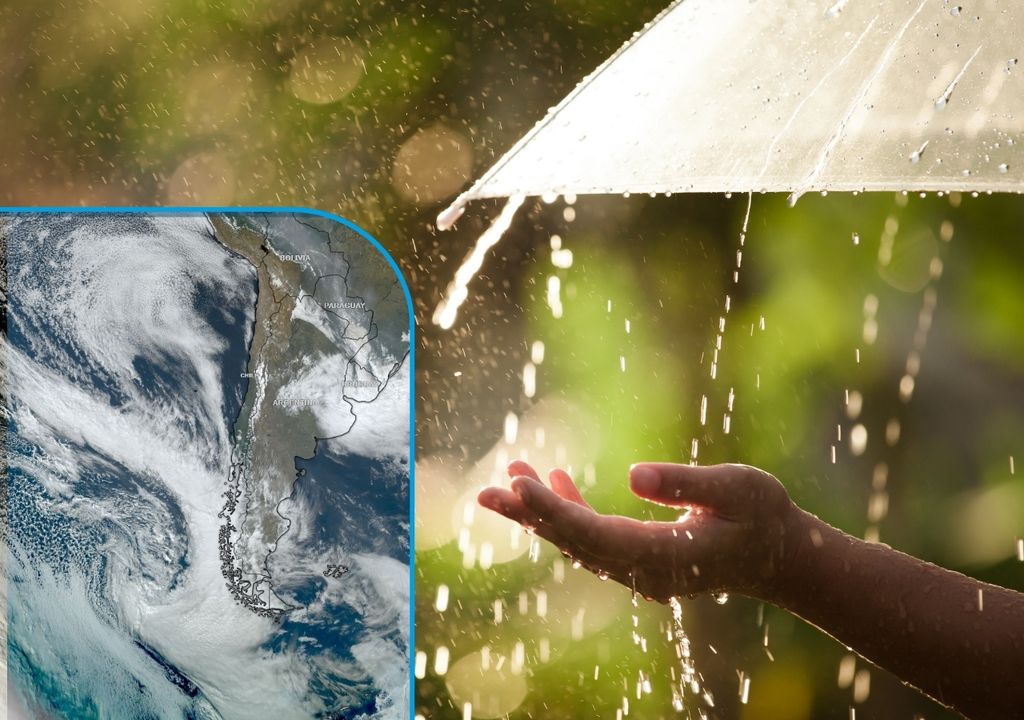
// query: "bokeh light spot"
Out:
[489,687]
[203,179]
[325,70]
[434,163]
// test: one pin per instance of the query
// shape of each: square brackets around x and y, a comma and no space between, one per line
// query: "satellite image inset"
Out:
[207,458]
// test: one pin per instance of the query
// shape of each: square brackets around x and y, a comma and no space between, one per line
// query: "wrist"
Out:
[801,535]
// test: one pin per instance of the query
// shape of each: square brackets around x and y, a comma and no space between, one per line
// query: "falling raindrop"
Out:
[554,296]
[529,380]
[441,656]
[561,258]
[511,428]
[847,669]
[721,598]
[861,685]
[688,678]
[441,602]
[458,290]
[744,688]
[537,352]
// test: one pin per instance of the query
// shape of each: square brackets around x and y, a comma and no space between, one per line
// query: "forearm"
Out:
[959,640]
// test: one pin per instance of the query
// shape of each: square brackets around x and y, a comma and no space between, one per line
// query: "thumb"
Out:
[710,486]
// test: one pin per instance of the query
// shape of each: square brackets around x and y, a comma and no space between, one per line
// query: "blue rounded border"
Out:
[190,210]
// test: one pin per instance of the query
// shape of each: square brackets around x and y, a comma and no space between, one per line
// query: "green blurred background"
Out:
[382,112]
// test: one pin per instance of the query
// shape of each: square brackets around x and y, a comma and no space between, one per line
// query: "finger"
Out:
[561,481]
[602,536]
[712,486]
[521,467]
[562,484]
[634,546]
[508,503]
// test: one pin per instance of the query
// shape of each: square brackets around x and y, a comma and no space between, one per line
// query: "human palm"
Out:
[732,538]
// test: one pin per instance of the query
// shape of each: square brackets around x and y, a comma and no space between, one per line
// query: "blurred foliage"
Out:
[236,102]
[839,283]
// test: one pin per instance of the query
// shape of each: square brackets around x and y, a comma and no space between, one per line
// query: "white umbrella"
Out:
[790,96]
[742,95]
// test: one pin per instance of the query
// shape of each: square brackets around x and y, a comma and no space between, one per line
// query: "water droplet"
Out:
[836,9]
[915,156]
[943,99]
[446,219]
[721,598]
[602,575]
[1003,167]
[955,10]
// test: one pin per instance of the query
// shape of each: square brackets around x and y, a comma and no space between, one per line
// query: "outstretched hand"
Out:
[734,538]
[956,638]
